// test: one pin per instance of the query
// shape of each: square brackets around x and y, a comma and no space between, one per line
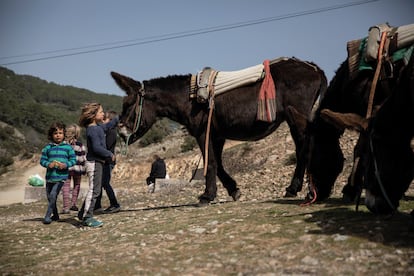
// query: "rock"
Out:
[170,185]
[32,194]
[309,261]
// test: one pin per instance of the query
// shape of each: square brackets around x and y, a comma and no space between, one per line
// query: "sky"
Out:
[79,42]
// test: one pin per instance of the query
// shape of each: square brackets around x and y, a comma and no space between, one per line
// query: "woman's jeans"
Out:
[106,185]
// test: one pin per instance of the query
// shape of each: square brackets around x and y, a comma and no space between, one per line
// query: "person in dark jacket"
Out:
[158,170]
[111,135]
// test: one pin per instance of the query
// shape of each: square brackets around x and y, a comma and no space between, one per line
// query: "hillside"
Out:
[30,104]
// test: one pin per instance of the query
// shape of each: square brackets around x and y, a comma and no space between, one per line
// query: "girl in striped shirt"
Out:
[76,171]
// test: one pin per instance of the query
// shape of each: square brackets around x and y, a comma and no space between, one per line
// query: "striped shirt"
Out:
[80,152]
[63,153]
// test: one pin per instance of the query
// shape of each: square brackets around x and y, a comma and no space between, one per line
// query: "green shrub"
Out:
[5,160]
[156,133]
[188,144]
[247,147]
[9,142]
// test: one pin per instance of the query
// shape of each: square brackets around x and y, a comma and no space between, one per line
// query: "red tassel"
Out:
[267,97]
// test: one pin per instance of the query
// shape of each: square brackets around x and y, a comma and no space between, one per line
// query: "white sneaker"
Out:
[151,188]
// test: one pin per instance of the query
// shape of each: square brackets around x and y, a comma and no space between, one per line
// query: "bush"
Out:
[8,141]
[153,136]
[247,147]
[5,160]
[188,144]
[156,133]
[10,146]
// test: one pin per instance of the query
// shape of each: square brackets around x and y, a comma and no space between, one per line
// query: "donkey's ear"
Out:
[126,83]
[344,121]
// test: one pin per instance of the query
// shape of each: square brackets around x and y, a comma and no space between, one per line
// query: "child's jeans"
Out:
[52,192]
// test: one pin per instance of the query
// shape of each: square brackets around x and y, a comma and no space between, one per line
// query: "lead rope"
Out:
[195,171]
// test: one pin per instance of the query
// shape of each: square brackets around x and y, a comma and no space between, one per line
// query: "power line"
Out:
[171,36]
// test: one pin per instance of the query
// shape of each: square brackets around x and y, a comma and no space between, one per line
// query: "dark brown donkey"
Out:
[346,105]
[298,85]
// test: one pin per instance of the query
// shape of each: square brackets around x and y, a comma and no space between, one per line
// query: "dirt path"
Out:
[12,186]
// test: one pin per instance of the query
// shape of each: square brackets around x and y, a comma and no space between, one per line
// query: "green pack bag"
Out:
[36,181]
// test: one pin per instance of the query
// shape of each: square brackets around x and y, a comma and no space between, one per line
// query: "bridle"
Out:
[137,109]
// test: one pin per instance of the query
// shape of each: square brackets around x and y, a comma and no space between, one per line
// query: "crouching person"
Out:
[158,170]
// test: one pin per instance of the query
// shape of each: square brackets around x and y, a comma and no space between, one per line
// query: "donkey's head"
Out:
[136,116]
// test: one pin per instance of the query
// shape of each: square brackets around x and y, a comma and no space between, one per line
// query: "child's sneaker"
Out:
[47,220]
[91,222]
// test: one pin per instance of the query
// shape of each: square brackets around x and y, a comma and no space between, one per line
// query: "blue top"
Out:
[96,141]
[62,153]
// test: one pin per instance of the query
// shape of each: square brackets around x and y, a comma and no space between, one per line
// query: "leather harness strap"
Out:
[376,75]
[210,114]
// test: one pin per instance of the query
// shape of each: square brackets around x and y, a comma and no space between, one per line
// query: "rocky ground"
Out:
[164,233]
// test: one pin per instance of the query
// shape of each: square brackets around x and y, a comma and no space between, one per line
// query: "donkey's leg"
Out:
[297,124]
[354,185]
[210,191]
[355,180]
[228,182]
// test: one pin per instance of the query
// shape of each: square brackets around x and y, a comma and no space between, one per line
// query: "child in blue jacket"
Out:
[97,154]
[57,157]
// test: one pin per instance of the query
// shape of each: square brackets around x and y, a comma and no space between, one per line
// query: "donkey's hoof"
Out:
[204,200]
[203,203]
[348,199]
[289,194]
[236,195]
